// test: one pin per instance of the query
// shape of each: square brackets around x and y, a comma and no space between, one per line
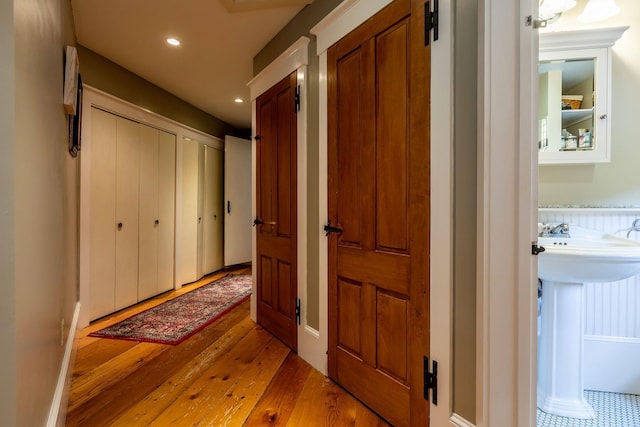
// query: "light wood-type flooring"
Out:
[232,373]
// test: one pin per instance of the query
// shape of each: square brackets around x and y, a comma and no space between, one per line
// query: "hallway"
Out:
[231,373]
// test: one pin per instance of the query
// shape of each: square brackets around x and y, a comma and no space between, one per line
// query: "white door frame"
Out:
[295,58]
[507,214]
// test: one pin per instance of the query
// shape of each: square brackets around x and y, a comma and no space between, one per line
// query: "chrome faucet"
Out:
[560,230]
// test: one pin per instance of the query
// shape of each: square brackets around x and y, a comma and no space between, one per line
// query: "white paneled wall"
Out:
[612,310]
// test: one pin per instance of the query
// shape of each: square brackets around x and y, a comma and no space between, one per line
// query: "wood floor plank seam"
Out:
[215,379]
[118,383]
[167,392]
[153,374]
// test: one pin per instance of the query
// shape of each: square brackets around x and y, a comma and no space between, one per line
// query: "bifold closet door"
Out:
[189,240]
[102,241]
[200,251]
[212,216]
[166,210]
[149,195]
[157,194]
[127,184]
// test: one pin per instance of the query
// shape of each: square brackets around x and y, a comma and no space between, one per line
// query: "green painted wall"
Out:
[464,221]
[39,193]
[101,73]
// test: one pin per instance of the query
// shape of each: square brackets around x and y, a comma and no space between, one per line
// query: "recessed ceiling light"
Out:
[173,42]
[238,100]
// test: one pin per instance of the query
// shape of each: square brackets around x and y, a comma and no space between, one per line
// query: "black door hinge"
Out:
[535,249]
[297,99]
[298,311]
[430,22]
[431,380]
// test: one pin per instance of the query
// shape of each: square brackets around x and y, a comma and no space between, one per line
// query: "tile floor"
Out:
[612,410]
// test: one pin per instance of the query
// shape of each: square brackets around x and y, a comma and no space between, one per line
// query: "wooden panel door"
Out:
[103,214]
[127,160]
[276,211]
[166,210]
[378,195]
[212,211]
[148,228]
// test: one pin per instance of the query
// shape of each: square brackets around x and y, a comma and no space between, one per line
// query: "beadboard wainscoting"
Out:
[612,310]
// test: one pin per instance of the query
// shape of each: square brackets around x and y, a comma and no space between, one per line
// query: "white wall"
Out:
[614,183]
[40,189]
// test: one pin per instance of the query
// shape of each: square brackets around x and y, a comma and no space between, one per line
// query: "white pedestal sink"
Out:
[567,263]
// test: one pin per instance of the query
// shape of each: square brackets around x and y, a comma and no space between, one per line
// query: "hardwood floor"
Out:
[232,373]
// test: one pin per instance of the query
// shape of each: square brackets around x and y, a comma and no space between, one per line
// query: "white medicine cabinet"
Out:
[574,101]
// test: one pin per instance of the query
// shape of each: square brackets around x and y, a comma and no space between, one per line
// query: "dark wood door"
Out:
[378,79]
[276,220]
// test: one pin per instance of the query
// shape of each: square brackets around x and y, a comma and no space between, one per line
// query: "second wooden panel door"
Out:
[378,164]
[276,210]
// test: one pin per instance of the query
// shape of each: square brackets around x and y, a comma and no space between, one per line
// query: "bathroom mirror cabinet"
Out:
[575,96]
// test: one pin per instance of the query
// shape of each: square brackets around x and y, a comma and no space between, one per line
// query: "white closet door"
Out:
[102,244]
[148,228]
[200,267]
[166,210]
[127,160]
[189,226]
[237,193]
[212,216]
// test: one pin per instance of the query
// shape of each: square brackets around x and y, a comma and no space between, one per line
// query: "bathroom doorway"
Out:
[596,196]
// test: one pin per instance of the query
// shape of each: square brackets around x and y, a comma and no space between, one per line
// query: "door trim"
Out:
[507,200]
[441,251]
[295,58]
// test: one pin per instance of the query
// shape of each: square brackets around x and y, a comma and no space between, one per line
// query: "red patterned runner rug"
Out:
[176,320]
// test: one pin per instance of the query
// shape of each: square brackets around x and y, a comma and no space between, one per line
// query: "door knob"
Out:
[157,221]
[120,226]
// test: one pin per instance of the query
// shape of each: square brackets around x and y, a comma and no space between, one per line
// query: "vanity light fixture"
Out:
[173,41]
[595,10]
[550,10]
[598,10]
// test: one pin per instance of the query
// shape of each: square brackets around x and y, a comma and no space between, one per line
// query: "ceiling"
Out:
[214,62]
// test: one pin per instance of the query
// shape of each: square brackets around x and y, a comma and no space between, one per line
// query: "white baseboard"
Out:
[611,364]
[312,349]
[57,412]
[457,420]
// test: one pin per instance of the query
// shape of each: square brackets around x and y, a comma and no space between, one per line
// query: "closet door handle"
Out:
[157,221]
[120,226]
